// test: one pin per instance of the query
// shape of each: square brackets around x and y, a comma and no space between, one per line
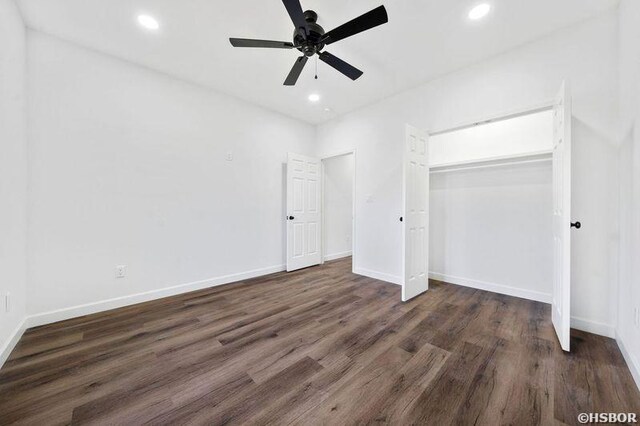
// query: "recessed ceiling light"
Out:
[479,12]
[314,97]
[148,22]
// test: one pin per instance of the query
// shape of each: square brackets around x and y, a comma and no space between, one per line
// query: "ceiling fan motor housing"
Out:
[311,45]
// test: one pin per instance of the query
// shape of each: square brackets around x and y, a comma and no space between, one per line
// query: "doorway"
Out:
[338,206]
[320,215]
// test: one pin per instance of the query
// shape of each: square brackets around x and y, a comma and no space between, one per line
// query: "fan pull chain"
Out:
[316,67]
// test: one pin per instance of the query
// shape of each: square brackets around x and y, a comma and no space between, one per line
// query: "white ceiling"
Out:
[423,39]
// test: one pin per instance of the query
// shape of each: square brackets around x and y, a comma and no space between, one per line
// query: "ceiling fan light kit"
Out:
[310,39]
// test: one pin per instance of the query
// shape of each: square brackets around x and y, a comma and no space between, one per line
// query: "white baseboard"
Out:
[11,343]
[335,256]
[119,302]
[91,308]
[378,275]
[594,327]
[492,287]
[632,361]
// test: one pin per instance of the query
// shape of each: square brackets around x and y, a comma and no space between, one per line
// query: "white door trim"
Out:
[353,205]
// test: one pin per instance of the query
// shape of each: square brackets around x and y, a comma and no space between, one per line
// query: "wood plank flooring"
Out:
[318,346]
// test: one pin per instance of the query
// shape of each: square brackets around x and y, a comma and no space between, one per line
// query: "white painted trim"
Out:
[378,275]
[493,287]
[632,362]
[119,302]
[594,327]
[12,341]
[335,256]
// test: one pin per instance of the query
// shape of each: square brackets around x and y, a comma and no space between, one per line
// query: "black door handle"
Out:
[576,225]
[401,218]
[291,218]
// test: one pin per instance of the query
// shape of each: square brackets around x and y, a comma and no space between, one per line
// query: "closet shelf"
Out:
[507,160]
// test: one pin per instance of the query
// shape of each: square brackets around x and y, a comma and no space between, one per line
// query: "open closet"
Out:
[491,206]
[499,207]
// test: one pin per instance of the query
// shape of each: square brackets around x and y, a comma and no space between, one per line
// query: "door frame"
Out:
[353,205]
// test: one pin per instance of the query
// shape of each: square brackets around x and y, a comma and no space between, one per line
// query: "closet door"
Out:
[303,212]
[416,213]
[561,304]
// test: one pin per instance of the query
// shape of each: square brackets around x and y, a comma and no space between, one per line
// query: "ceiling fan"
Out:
[310,38]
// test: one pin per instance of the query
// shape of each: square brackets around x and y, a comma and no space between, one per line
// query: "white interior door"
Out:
[561,304]
[303,212]
[416,213]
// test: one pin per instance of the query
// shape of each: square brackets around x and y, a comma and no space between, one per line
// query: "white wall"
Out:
[492,228]
[128,166]
[338,206]
[628,325]
[530,75]
[13,175]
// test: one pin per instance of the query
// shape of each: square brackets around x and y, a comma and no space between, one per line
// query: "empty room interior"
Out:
[319,212]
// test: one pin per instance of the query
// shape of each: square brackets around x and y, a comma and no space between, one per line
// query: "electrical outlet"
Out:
[121,271]
[229,156]
[636,316]
[7,302]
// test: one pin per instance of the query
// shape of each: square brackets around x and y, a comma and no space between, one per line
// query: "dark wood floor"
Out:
[319,346]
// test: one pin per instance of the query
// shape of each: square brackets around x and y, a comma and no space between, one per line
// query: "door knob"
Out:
[401,218]
[291,217]
[576,225]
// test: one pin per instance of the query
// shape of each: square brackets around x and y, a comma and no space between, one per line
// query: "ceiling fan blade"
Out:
[349,70]
[297,15]
[245,42]
[371,19]
[292,78]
